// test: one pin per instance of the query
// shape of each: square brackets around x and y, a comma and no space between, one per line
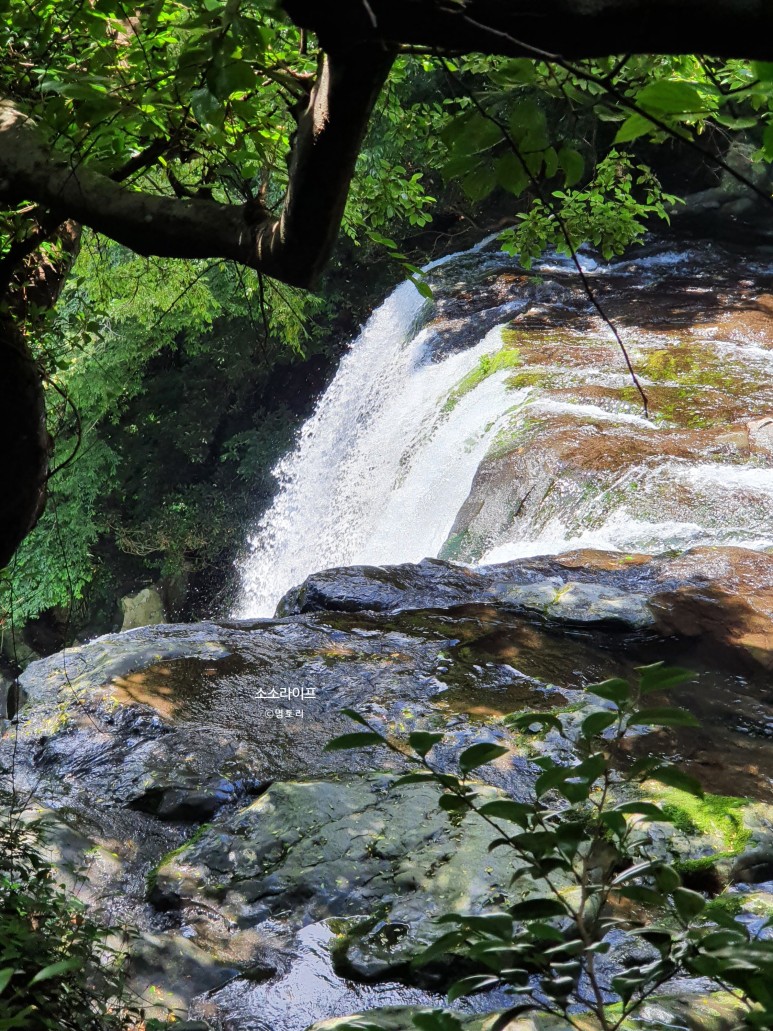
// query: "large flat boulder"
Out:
[723,595]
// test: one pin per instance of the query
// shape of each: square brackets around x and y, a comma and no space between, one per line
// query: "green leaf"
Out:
[510,173]
[688,903]
[573,164]
[423,287]
[234,77]
[496,925]
[5,977]
[625,986]
[207,109]
[359,1025]
[480,182]
[648,809]
[639,893]
[422,742]
[358,740]
[518,71]
[473,983]
[633,127]
[528,125]
[505,1020]
[660,937]
[383,241]
[663,717]
[537,909]
[558,987]
[504,809]
[64,966]
[659,677]
[614,690]
[435,1020]
[528,720]
[638,870]
[597,722]
[452,803]
[671,97]
[722,940]
[575,781]
[667,878]
[479,755]
[440,947]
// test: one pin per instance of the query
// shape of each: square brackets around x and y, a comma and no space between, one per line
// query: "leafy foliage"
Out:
[562,137]
[58,970]
[585,866]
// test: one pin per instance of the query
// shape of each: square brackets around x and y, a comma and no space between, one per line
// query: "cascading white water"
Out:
[383,465]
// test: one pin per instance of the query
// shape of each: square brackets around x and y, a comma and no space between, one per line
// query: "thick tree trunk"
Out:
[24,441]
[29,289]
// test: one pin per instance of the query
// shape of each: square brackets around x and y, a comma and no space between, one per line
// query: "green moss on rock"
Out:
[488,364]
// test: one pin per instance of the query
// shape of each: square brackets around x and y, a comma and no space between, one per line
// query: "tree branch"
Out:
[569,28]
[293,248]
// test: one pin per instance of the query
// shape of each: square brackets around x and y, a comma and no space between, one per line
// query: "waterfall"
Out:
[396,462]
[383,465]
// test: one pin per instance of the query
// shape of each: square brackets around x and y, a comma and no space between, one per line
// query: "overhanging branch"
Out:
[573,29]
[293,248]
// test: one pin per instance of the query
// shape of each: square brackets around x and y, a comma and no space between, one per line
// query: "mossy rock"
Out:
[310,850]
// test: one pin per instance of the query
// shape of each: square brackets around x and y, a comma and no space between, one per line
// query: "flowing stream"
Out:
[499,420]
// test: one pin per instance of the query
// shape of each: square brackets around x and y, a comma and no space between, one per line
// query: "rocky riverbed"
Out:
[274,886]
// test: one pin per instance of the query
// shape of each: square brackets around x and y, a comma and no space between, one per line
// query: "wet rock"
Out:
[145,608]
[761,434]
[577,603]
[169,971]
[6,698]
[527,584]
[724,595]
[305,989]
[313,850]
[430,584]
[718,1012]
[114,657]
[753,867]
[15,649]
[192,803]
[328,879]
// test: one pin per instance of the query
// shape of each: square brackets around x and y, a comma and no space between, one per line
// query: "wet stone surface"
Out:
[275,884]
